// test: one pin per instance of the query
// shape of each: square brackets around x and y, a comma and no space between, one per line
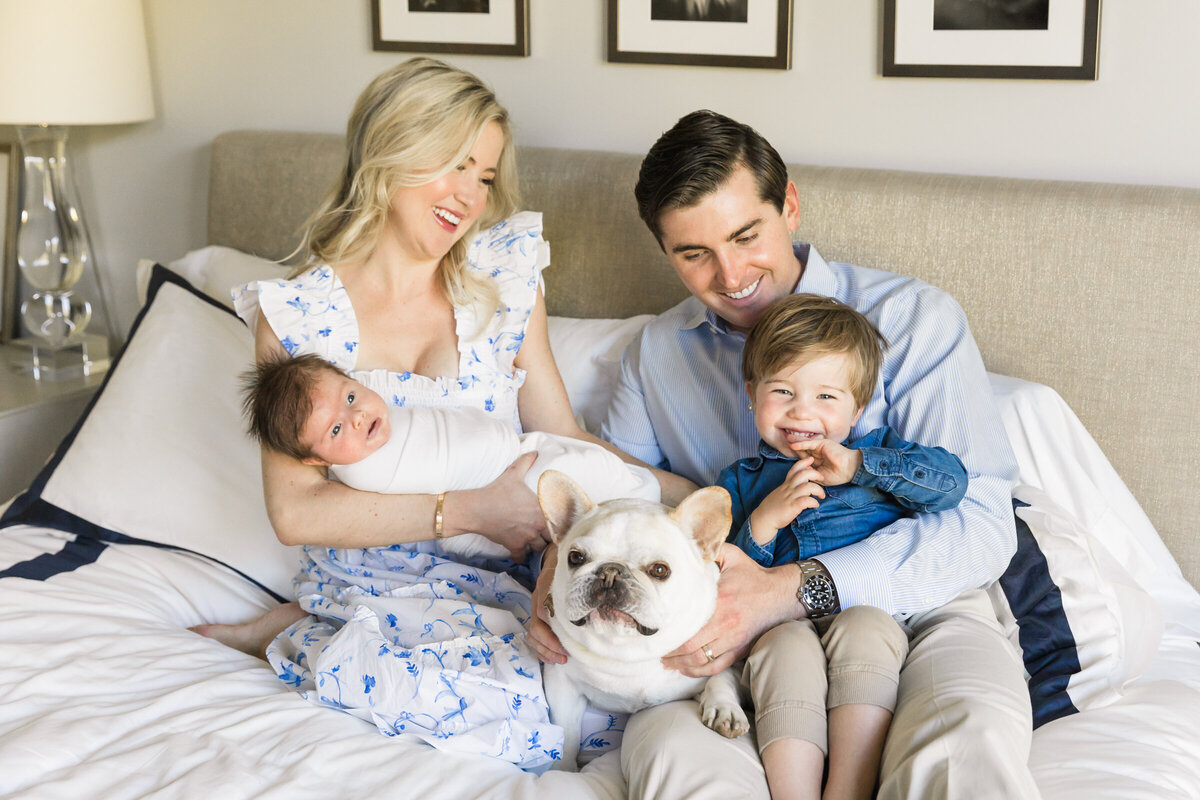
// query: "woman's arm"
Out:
[306,507]
[544,405]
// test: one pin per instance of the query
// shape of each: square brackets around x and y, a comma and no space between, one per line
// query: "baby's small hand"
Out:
[834,463]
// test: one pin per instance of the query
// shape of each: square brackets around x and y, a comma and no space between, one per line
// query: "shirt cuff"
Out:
[764,554]
[860,575]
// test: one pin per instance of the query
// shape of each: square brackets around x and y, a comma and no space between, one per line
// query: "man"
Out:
[716,196]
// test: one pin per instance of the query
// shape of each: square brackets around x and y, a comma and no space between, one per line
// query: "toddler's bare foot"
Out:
[253,637]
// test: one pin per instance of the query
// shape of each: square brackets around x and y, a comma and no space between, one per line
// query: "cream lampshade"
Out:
[63,63]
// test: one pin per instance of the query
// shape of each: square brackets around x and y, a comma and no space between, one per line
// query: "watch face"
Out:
[818,593]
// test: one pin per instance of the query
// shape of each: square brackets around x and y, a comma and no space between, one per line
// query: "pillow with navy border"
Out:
[161,455]
[1082,624]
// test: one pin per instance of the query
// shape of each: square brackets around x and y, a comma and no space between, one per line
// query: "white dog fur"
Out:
[632,582]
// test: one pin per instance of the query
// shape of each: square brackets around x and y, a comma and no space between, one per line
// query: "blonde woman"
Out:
[423,285]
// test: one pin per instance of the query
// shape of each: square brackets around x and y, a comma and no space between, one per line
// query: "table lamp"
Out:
[62,63]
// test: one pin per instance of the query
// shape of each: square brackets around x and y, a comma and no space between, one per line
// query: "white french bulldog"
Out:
[633,581]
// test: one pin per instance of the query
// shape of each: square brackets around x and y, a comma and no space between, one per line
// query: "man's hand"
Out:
[835,465]
[750,600]
[505,511]
[800,490]
[547,646]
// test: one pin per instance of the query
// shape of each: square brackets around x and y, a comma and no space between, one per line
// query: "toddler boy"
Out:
[810,365]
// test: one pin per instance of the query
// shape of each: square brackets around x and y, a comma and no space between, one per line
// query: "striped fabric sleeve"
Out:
[937,393]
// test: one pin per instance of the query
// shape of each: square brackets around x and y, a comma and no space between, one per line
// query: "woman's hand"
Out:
[547,646]
[751,599]
[505,511]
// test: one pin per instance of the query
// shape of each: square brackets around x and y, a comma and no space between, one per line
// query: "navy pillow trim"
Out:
[76,553]
[1047,643]
[30,509]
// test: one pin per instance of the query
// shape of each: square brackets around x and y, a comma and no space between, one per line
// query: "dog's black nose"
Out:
[608,574]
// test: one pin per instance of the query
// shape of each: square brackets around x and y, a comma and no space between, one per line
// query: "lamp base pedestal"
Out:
[46,362]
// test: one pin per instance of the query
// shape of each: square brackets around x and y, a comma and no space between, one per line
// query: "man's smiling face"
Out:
[733,250]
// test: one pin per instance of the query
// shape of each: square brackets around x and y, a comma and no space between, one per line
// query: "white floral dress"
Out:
[402,636]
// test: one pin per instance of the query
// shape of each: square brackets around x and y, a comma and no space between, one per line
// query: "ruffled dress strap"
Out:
[310,314]
[511,254]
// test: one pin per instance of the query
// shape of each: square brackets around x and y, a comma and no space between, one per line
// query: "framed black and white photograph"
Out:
[710,33]
[476,27]
[8,244]
[1040,39]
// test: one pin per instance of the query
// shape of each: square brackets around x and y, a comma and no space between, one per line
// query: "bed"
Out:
[148,518]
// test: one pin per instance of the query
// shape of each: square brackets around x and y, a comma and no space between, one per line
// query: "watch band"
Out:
[817,592]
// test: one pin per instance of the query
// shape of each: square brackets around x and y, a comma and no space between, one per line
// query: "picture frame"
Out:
[469,27]
[1032,39]
[708,33]
[9,169]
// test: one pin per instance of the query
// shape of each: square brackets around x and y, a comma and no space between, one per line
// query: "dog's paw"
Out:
[727,719]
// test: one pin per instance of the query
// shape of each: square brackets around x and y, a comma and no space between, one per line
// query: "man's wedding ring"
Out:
[708,653]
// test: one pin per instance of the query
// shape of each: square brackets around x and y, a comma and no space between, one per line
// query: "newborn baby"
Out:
[308,408]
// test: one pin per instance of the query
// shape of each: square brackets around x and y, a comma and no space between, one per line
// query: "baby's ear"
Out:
[313,461]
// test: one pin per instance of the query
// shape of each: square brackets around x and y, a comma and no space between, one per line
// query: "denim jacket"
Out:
[896,478]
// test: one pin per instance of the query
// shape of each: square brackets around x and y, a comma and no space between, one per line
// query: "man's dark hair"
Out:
[696,157]
[277,400]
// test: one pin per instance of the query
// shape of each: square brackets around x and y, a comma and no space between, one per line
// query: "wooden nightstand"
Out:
[34,417]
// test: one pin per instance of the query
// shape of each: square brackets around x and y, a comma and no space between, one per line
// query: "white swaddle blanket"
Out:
[433,450]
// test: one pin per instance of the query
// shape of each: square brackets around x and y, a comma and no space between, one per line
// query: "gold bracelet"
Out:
[437,516]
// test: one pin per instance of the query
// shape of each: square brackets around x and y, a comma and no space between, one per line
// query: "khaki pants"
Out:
[962,726]
[860,653]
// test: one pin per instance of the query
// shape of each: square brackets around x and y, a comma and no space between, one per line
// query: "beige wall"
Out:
[297,64]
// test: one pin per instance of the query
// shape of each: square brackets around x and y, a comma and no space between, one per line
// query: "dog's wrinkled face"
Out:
[633,578]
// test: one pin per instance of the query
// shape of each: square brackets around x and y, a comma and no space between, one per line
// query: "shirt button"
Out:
[883,465]
[920,473]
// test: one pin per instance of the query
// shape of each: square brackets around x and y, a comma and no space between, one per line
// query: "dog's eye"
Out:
[575,558]
[659,571]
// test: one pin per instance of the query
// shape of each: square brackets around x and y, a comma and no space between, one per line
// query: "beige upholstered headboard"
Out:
[1085,287]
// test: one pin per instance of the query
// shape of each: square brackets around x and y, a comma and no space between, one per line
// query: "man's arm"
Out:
[937,393]
[627,421]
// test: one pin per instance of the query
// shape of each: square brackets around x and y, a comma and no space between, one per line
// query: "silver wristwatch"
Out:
[816,592]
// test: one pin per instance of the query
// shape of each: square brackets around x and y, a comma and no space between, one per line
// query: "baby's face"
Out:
[348,422]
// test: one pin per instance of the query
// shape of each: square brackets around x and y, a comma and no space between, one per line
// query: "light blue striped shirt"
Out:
[680,404]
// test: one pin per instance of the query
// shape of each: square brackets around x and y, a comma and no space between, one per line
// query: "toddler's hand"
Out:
[834,464]
[800,490]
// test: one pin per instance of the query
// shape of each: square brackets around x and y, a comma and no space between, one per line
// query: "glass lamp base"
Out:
[46,362]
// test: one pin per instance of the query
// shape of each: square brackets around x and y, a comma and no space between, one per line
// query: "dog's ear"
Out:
[706,514]
[563,501]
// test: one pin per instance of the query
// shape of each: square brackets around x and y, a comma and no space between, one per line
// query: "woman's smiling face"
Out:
[428,219]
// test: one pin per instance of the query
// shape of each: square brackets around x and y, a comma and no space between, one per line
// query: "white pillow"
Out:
[162,456]
[1084,627]
[214,270]
[588,354]
[1057,454]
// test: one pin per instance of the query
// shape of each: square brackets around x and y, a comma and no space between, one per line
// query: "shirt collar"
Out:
[766,451]
[815,278]
[818,277]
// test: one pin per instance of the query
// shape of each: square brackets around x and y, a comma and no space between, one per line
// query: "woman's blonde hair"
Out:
[410,126]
